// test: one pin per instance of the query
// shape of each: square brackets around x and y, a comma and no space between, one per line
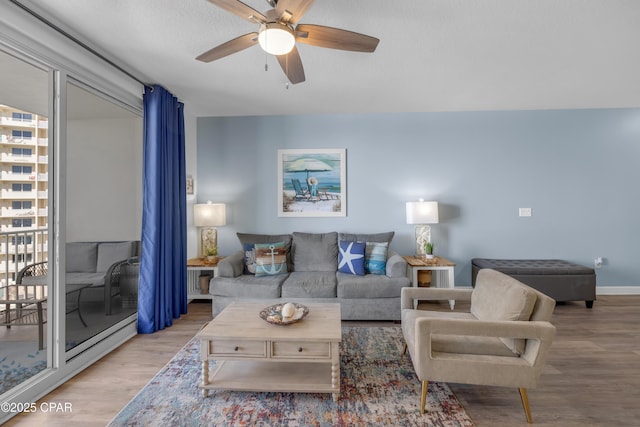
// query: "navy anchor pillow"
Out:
[351,257]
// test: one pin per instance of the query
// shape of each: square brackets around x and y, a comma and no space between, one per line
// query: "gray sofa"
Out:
[313,276]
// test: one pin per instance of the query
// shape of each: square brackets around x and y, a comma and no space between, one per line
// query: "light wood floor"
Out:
[592,377]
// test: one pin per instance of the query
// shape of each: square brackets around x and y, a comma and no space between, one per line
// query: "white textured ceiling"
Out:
[434,55]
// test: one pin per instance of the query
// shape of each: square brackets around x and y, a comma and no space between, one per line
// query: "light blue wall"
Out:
[577,169]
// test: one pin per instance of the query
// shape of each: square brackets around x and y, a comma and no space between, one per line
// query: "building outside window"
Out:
[22,222]
[24,169]
[26,117]
[21,151]
[17,186]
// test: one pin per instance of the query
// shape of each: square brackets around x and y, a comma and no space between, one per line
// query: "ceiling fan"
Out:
[278,36]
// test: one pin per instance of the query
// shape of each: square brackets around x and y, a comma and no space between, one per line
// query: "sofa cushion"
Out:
[267,238]
[271,259]
[111,252]
[459,344]
[96,279]
[315,252]
[351,257]
[310,284]
[361,237]
[247,286]
[81,257]
[369,286]
[375,261]
[497,296]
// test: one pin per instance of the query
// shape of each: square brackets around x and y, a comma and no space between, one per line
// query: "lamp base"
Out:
[422,236]
[209,242]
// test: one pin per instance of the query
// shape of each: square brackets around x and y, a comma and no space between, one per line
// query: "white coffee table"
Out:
[253,355]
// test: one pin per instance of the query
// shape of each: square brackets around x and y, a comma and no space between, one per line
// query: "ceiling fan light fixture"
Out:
[276,39]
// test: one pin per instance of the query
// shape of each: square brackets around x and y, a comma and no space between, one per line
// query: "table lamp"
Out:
[208,216]
[422,213]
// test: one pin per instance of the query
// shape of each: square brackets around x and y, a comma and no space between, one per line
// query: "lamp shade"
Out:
[209,215]
[422,212]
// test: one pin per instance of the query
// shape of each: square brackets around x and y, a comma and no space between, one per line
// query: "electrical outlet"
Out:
[524,212]
[598,262]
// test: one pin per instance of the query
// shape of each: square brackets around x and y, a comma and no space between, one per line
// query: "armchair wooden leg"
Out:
[404,350]
[525,404]
[423,398]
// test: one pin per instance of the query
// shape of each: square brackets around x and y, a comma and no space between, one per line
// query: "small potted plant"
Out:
[428,249]
[212,254]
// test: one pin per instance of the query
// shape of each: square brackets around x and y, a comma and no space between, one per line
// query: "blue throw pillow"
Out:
[249,258]
[375,260]
[351,257]
[271,259]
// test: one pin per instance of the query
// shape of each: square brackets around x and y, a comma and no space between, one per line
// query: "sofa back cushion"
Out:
[361,237]
[497,296]
[111,252]
[81,257]
[315,252]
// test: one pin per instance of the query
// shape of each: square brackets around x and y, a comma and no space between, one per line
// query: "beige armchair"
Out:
[502,341]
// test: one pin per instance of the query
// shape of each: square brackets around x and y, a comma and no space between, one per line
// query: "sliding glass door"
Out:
[103,214]
[24,221]
[70,221]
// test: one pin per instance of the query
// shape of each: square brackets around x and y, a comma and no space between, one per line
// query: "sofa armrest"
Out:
[232,265]
[408,295]
[396,266]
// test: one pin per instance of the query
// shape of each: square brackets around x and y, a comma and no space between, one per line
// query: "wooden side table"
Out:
[435,264]
[195,267]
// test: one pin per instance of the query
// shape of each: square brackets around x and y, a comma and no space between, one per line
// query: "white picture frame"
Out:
[312,182]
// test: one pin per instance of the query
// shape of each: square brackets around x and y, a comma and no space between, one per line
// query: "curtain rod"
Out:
[78,42]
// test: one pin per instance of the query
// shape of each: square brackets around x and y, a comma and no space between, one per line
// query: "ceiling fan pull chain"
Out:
[286,62]
[266,58]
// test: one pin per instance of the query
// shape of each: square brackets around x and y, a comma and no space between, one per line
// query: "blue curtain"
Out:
[162,291]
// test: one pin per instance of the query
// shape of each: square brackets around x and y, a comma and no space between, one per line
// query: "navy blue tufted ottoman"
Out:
[561,280]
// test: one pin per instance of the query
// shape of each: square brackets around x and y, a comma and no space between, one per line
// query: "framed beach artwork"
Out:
[312,183]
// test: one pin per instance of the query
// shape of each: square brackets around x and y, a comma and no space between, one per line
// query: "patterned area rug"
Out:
[19,361]
[378,388]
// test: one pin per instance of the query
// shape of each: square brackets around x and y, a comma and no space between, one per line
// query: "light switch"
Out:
[525,211]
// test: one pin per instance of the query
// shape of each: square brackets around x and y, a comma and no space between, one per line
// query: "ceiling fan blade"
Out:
[296,9]
[240,9]
[335,38]
[292,66]
[232,46]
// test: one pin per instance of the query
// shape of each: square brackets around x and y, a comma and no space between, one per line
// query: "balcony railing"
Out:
[18,158]
[7,193]
[12,121]
[11,176]
[17,250]
[8,212]
[18,140]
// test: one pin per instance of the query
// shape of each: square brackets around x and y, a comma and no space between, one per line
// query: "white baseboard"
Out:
[617,290]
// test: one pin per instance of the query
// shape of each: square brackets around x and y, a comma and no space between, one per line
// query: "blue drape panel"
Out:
[162,291]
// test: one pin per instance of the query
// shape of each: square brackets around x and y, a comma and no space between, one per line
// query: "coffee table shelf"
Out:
[244,375]
[253,355]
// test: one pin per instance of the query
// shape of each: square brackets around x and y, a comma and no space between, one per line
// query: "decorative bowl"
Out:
[273,314]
